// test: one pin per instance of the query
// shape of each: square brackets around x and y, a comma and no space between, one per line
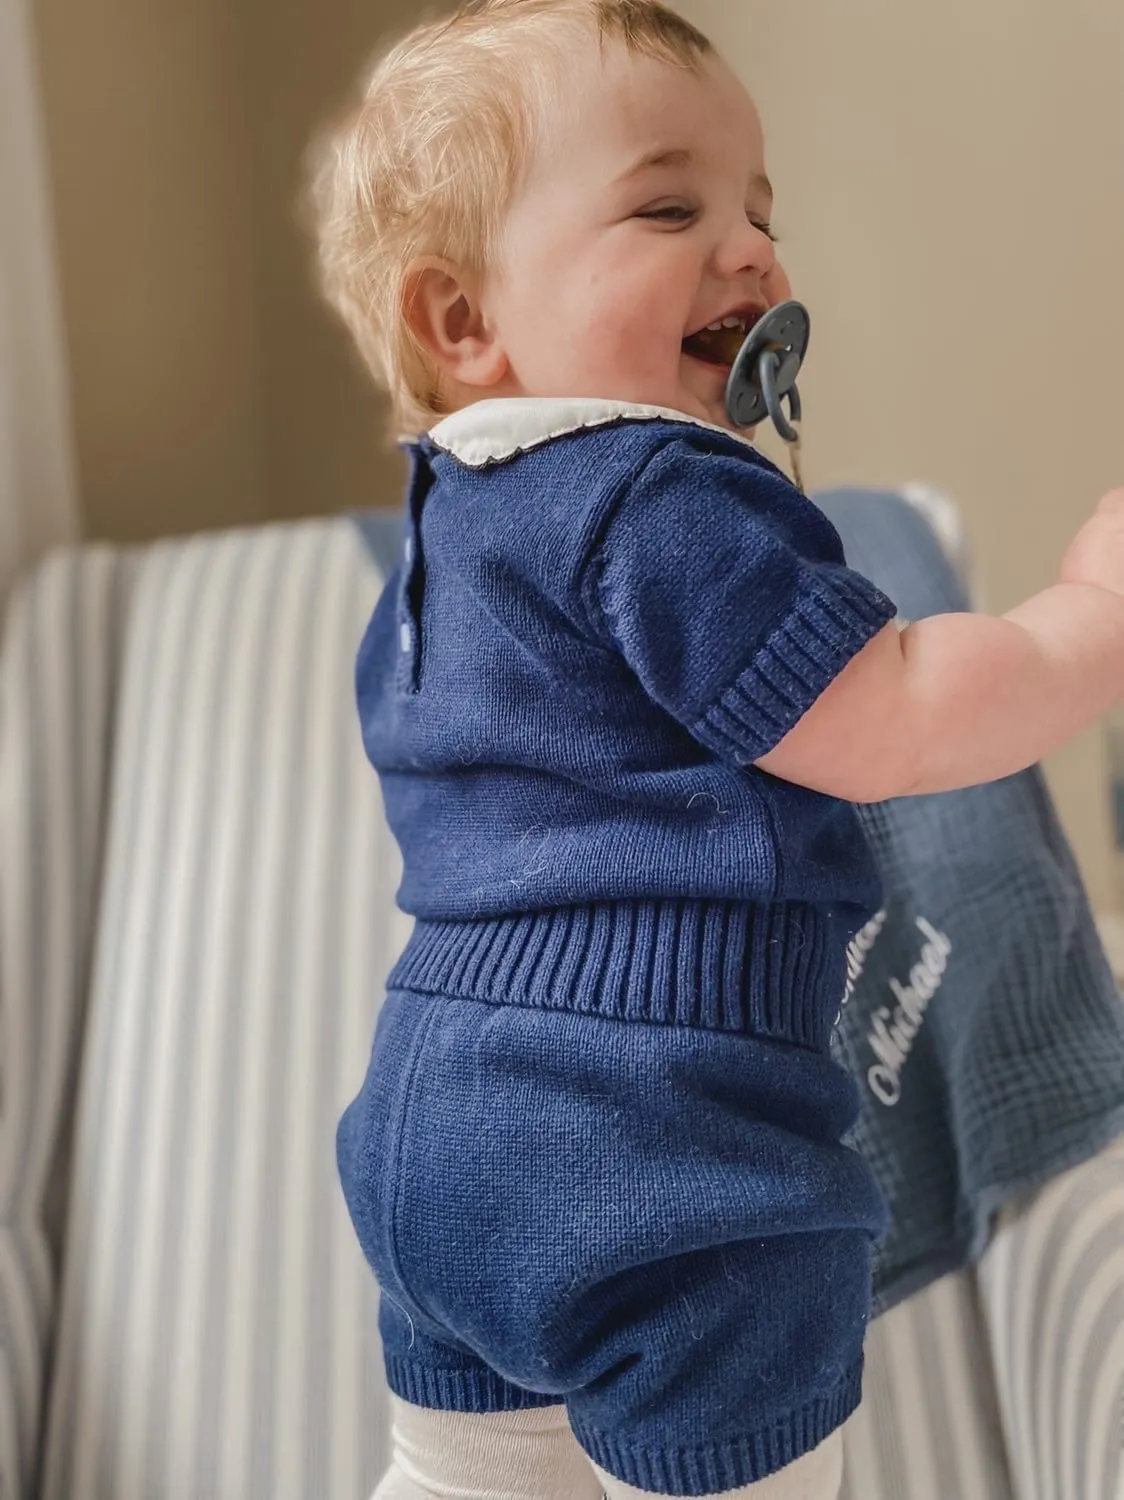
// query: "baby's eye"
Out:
[671,213]
[764,226]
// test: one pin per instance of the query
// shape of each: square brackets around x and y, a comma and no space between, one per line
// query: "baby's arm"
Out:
[959,699]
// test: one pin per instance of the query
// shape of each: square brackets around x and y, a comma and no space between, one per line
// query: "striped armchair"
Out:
[196,915]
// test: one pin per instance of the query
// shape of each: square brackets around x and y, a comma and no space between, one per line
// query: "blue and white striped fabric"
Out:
[1052,1294]
[185,799]
[217,1331]
[928,1427]
[57,691]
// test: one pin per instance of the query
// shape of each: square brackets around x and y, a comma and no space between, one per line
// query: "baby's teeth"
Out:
[714,328]
[731,322]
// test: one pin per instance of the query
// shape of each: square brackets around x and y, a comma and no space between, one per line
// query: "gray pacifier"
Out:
[764,372]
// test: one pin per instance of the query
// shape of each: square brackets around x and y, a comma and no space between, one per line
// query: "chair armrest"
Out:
[58,674]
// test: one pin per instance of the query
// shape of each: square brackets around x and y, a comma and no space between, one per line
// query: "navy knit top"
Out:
[603,615]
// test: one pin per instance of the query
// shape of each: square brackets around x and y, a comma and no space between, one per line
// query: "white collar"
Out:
[497,429]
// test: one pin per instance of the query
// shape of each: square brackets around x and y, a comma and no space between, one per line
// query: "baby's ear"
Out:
[441,307]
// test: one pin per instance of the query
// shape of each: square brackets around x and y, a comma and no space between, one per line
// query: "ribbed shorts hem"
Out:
[458,1390]
[708,1469]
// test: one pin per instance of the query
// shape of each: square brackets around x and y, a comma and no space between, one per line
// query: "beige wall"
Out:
[951,204]
[949,199]
[209,388]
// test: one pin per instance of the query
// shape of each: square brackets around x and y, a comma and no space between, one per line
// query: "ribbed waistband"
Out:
[776,972]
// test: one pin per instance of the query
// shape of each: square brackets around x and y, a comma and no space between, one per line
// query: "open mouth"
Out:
[718,343]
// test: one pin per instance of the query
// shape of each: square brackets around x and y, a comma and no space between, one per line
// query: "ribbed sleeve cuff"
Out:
[790,671]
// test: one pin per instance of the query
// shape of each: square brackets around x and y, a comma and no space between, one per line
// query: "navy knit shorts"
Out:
[654,1224]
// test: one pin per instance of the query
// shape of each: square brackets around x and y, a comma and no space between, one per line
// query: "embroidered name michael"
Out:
[893,1032]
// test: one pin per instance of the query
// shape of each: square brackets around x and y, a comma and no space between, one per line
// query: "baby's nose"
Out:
[747,248]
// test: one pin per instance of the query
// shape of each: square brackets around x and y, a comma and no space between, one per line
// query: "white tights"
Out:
[532,1455]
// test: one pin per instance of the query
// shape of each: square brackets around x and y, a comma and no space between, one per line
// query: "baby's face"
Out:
[643,220]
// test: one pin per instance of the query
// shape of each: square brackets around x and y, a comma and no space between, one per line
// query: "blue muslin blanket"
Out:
[984,1026]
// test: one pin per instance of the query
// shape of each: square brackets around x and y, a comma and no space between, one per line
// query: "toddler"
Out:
[621,693]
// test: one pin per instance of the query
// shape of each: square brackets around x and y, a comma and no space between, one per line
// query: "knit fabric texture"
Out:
[603,616]
[1009,1067]
[598,1155]
[657,1225]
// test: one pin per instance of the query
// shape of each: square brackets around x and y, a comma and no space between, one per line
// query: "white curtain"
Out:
[38,505]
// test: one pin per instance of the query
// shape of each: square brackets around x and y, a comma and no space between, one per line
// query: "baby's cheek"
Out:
[637,344]
[777,285]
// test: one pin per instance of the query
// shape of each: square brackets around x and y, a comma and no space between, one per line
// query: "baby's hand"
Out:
[1096,554]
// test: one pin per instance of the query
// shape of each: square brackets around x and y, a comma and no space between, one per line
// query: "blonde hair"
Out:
[428,158]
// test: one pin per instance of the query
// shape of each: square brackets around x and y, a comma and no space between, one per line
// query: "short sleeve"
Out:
[726,591]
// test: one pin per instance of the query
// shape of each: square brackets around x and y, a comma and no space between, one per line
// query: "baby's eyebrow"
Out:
[682,156]
[676,156]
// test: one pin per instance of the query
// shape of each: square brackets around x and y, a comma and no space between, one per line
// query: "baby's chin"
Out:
[715,413]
